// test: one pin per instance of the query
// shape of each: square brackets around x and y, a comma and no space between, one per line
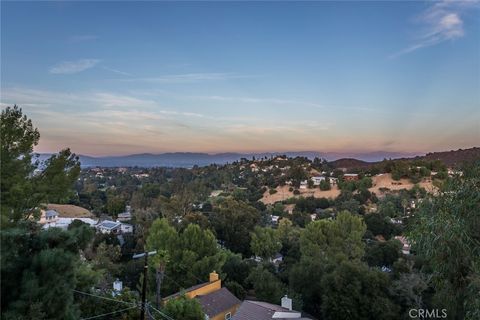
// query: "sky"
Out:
[116,78]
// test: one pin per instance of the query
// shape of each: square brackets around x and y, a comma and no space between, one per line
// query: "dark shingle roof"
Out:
[217,301]
[258,310]
[51,213]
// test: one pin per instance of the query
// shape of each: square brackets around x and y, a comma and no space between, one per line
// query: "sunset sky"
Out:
[114,78]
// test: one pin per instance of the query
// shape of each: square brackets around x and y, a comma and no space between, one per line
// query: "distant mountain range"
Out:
[190,159]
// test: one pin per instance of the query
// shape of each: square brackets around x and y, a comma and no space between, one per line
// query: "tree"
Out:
[379,225]
[23,189]
[192,253]
[445,234]
[265,242]
[235,269]
[184,308]
[408,290]
[39,270]
[352,291]
[233,221]
[267,287]
[383,253]
[325,185]
[115,205]
[340,239]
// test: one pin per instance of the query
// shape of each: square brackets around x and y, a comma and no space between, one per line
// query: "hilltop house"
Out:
[114,227]
[350,177]
[63,223]
[259,310]
[48,217]
[125,216]
[217,302]
[317,179]
[406,245]
[107,226]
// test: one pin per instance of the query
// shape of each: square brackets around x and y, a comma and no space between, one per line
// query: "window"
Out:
[228,316]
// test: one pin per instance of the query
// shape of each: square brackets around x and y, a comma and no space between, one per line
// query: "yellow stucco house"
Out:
[217,302]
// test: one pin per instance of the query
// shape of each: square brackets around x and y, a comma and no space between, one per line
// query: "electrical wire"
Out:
[107,314]
[105,298]
[166,316]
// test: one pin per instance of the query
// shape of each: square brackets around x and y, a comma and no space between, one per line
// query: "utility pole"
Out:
[145,275]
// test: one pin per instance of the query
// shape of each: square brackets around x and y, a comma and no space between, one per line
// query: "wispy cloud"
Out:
[123,73]
[82,38]
[441,22]
[191,77]
[71,67]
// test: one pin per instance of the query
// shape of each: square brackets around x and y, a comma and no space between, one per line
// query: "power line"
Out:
[107,314]
[105,298]
[166,316]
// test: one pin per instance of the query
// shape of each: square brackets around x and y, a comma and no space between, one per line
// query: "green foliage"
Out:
[184,308]
[265,242]
[335,240]
[325,185]
[233,222]
[408,290]
[115,205]
[377,224]
[236,269]
[39,270]
[446,234]
[193,253]
[267,287]
[383,253]
[22,190]
[237,290]
[352,291]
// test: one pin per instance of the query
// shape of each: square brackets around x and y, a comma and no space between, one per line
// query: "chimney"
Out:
[117,287]
[213,276]
[287,303]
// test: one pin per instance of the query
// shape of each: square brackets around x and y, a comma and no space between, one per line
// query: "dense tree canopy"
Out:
[193,253]
[23,189]
[446,234]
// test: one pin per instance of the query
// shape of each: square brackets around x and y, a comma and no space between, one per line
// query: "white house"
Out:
[48,217]
[108,226]
[275,219]
[63,223]
[405,243]
[333,181]
[303,184]
[126,228]
[317,179]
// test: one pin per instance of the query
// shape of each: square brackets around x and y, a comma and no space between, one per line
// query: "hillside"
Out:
[457,157]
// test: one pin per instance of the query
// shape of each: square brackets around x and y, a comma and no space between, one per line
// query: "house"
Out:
[48,217]
[333,181]
[350,177]
[277,259]
[125,216]
[259,310]
[317,179]
[126,228]
[108,226]
[63,223]
[289,208]
[217,302]
[303,184]
[216,193]
[406,245]
[117,287]
[275,219]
